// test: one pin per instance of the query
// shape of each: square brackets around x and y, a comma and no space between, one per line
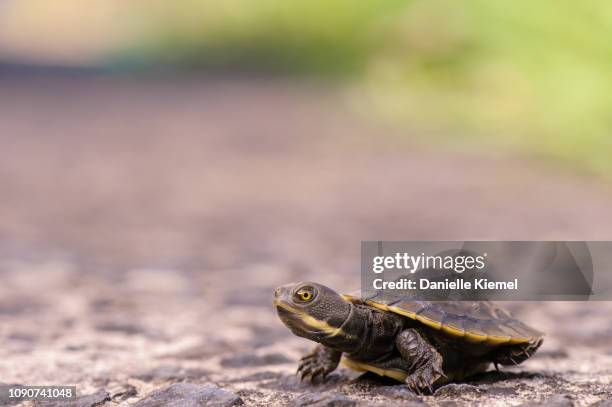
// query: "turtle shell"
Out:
[473,321]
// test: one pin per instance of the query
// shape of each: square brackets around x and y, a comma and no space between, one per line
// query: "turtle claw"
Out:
[318,364]
[315,374]
[430,388]
[438,370]
[424,377]
[306,358]
[412,386]
[309,373]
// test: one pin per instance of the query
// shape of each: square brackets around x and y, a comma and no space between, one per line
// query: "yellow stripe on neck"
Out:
[312,322]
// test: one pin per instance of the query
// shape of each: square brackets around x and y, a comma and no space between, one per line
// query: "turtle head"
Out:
[313,311]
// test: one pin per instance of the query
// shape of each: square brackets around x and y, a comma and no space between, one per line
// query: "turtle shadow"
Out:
[487,382]
[489,377]
[490,382]
[372,379]
[492,377]
[379,385]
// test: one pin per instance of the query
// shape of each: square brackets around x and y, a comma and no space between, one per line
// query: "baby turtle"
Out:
[421,343]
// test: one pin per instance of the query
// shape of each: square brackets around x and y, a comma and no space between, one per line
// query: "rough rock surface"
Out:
[325,399]
[554,401]
[144,226]
[190,395]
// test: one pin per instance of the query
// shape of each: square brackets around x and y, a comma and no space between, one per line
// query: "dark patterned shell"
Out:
[474,321]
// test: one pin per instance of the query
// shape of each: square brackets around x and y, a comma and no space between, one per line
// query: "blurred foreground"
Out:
[144,224]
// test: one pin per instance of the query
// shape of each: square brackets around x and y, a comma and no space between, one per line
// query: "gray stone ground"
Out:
[145,223]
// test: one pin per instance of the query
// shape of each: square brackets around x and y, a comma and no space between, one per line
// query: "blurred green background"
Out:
[531,76]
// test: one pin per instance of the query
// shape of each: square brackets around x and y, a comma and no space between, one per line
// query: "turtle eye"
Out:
[305,294]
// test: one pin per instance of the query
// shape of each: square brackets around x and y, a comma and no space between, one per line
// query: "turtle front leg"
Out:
[424,361]
[320,362]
